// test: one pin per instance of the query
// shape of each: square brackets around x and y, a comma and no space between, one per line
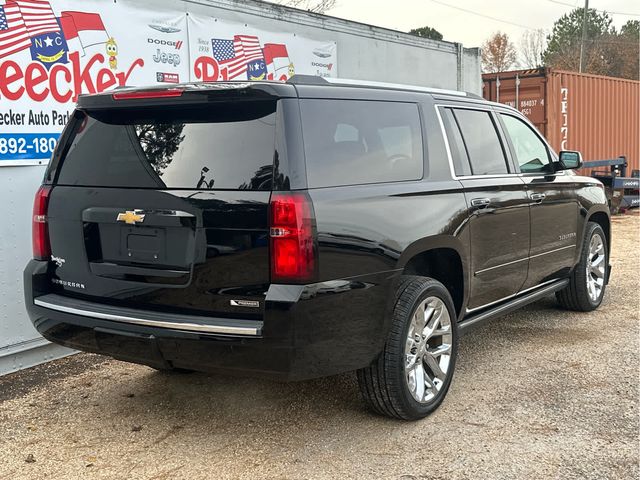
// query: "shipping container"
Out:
[599,116]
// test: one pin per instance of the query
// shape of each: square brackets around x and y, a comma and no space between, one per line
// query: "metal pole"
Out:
[584,32]
[517,92]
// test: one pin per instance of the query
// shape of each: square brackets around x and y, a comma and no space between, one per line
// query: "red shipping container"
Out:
[599,116]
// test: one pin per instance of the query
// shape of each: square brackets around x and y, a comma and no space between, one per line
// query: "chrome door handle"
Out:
[537,197]
[480,202]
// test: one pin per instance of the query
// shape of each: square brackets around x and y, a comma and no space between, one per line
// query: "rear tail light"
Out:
[39,229]
[292,238]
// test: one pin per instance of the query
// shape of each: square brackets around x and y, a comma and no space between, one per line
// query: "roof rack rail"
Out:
[317,80]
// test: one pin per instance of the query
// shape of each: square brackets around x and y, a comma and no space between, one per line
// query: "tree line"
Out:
[607,51]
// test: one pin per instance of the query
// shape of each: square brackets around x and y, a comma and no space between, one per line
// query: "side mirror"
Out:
[570,160]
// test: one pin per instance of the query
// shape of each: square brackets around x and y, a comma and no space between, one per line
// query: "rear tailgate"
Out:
[166,208]
[193,250]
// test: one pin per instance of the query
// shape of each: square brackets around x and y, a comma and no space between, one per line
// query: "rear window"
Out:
[350,142]
[220,146]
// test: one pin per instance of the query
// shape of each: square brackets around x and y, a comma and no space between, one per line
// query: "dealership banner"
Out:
[222,50]
[51,51]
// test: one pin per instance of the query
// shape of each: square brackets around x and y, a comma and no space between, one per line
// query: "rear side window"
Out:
[221,146]
[481,141]
[350,142]
[456,144]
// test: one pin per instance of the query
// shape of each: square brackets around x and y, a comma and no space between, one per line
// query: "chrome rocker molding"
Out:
[525,259]
[472,321]
[187,323]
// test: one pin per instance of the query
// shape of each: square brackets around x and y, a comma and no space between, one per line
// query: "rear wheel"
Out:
[587,283]
[412,375]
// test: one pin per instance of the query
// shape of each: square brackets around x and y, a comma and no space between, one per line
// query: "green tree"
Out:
[631,28]
[159,142]
[629,38]
[426,32]
[563,48]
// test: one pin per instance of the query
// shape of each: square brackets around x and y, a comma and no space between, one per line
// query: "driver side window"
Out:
[531,152]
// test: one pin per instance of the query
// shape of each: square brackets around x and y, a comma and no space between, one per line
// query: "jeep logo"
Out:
[170,58]
[166,43]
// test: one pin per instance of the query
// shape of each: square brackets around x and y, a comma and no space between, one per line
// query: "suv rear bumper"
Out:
[301,336]
[128,316]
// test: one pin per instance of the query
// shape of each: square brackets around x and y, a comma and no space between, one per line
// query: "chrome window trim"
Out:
[492,109]
[448,147]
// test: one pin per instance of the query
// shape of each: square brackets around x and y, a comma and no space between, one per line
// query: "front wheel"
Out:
[411,377]
[588,280]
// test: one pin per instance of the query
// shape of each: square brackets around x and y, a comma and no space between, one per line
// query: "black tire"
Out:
[383,383]
[576,295]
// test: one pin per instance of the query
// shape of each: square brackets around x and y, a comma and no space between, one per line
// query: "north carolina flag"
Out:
[83,29]
[277,58]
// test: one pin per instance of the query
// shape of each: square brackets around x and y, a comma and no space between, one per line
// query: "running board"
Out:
[469,323]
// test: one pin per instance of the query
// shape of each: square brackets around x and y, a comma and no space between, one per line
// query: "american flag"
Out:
[250,46]
[13,32]
[38,17]
[237,53]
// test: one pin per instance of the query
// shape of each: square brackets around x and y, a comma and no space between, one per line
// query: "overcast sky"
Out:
[511,16]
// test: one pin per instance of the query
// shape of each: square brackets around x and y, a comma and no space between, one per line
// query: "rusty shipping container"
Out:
[599,116]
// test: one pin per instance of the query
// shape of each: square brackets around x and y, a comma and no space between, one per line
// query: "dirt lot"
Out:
[537,394]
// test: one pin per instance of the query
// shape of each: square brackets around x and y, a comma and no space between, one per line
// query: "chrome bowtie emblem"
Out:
[131,217]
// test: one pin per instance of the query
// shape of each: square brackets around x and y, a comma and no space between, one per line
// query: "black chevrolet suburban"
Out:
[304,229]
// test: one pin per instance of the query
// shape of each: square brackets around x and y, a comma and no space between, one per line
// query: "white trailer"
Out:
[145,42]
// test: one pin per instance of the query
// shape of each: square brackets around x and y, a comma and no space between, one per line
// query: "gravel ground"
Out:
[542,393]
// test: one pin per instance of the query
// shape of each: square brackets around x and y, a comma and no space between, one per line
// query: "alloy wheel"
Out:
[428,349]
[595,267]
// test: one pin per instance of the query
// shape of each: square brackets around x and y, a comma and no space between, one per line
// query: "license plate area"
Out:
[143,245]
[154,247]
